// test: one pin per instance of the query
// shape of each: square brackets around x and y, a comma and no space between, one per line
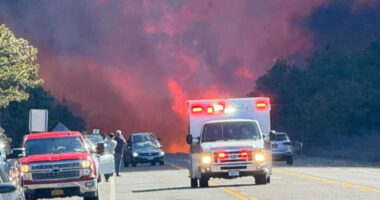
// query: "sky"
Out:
[132,64]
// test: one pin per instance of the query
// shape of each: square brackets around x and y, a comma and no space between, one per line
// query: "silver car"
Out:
[8,190]
[281,147]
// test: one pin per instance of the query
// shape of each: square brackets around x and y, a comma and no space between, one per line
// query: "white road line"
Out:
[113,188]
[364,171]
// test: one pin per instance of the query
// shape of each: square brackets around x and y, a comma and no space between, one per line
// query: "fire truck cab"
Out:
[227,139]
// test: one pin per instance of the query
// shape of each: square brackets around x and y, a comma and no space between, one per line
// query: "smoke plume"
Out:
[132,65]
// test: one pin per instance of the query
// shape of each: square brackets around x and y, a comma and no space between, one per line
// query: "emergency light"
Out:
[260,104]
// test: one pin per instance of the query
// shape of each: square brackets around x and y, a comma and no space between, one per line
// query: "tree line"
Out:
[334,93]
[21,89]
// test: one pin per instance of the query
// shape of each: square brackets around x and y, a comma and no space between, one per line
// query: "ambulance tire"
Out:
[261,179]
[194,182]
[203,182]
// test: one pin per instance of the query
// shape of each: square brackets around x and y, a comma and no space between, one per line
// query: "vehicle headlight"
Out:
[259,157]
[206,159]
[86,164]
[162,153]
[25,168]
[135,154]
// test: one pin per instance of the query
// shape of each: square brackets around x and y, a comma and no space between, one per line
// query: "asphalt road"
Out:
[301,181]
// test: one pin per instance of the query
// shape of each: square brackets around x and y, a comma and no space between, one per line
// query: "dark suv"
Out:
[143,148]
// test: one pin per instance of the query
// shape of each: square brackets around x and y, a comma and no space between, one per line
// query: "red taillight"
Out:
[209,110]
[197,109]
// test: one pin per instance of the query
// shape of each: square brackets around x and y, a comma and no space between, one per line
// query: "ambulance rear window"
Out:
[230,131]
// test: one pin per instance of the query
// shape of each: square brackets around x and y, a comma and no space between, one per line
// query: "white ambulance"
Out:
[228,139]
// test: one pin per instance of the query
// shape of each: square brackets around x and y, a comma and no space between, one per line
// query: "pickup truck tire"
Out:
[96,197]
[194,182]
[91,198]
[261,179]
[134,164]
[126,164]
[203,182]
[153,163]
[162,163]
[289,160]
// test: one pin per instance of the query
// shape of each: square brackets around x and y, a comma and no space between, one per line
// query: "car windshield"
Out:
[141,138]
[279,137]
[230,131]
[145,145]
[54,145]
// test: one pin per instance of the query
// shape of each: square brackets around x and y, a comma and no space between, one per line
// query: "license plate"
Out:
[57,192]
[233,172]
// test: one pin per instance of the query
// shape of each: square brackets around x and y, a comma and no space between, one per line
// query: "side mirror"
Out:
[7,188]
[189,139]
[100,148]
[16,153]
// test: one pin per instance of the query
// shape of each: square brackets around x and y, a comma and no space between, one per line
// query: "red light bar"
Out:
[218,107]
[209,110]
[197,109]
[262,104]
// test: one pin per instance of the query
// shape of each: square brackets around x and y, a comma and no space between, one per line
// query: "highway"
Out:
[304,180]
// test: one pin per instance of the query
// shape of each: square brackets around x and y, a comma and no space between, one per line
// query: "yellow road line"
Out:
[231,191]
[328,181]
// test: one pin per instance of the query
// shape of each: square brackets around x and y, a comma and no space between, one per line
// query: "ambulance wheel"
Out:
[261,179]
[203,182]
[194,183]
[99,178]
[289,160]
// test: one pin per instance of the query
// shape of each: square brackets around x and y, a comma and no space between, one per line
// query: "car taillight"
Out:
[287,143]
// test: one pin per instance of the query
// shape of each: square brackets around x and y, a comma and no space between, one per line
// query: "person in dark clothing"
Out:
[119,151]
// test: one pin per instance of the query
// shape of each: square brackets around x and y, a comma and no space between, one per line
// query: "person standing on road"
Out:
[119,151]
[111,143]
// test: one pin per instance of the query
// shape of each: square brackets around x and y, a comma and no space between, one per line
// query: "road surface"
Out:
[302,181]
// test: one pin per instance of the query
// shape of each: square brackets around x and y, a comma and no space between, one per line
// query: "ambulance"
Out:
[229,138]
